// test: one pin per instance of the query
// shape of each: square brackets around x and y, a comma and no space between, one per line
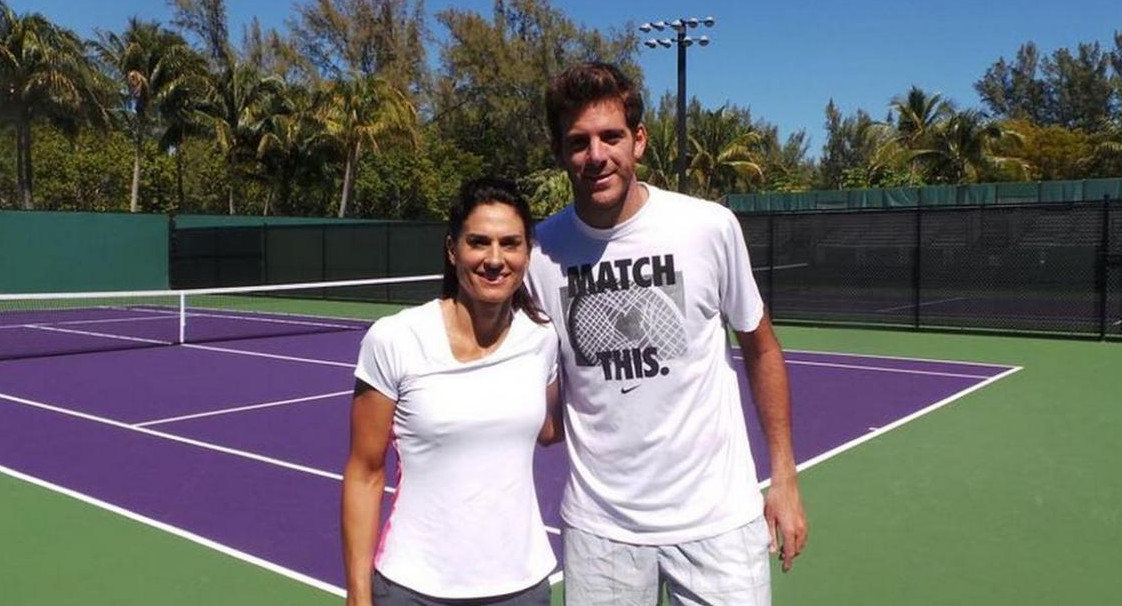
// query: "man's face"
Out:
[600,153]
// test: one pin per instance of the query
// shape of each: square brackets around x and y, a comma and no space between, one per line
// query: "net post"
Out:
[917,266]
[182,317]
[1102,271]
[771,263]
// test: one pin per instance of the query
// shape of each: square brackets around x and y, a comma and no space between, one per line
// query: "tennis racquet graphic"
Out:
[624,319]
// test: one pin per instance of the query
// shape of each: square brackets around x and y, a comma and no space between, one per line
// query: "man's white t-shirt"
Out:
[654,426]
[465,520]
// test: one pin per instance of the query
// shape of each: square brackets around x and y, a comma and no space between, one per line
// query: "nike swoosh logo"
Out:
[626,390]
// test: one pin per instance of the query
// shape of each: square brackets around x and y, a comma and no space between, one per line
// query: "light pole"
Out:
[682,41]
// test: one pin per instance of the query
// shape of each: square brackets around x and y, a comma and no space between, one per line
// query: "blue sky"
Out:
[785,60]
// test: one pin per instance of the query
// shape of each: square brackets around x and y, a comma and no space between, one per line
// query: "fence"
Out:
[1039,268]
[284,254]
[981,194]
[1053,269]
[42,251]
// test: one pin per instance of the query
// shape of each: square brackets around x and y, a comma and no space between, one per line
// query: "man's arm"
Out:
[767,375]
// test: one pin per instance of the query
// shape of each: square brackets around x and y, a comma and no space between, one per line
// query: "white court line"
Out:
[99,334]
[740,356]
[206,446]
[886,369]
[259,354]
[925,303]
[74,322]
[261,317]
[172,437]
[226,411]
[897,423]
[777,267]
[884,357]
[250,316]
[177,531]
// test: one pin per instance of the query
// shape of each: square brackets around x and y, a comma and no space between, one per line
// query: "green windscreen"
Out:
[70,252]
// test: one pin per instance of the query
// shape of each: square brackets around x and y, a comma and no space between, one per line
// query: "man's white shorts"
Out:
[728,569]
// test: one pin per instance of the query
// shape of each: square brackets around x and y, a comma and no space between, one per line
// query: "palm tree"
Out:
[293,141]
[367,109]
[236,112]
[1105,157]
[918,115]
[183,113]
[44,74]
[160,74]
[724,152]
[658,166]
[962,149]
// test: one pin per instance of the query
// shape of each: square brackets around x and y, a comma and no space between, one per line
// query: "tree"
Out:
[549,191]
[658,166]
[235,114]
[1105,157]
[1015,91]
[962,151]
[489,96]
[1077,89]
[851,141]
[273,54]
[918,116]
[367,37]
[44,74]
[367,110]
[724,146]
[293,143]
[206,20]
[785,166]
[1050,152]
[159,74]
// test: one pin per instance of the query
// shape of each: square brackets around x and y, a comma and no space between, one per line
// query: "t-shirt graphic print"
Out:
[626,316]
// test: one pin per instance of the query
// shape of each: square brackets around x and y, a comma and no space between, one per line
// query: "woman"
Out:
[461,386]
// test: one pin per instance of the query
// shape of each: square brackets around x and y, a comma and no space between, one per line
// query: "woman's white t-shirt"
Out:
[465,520]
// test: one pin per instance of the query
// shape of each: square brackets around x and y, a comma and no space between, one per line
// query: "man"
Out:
[640,284]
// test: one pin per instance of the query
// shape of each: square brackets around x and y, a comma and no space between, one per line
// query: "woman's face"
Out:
[491,254]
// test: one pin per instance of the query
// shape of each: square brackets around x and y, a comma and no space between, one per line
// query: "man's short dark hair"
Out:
[584,84]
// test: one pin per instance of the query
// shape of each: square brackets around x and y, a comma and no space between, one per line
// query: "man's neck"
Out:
[611,216]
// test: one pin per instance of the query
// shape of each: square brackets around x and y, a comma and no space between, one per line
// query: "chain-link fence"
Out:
[289,254]
[1040,268]
[1053,269]
[1112,272]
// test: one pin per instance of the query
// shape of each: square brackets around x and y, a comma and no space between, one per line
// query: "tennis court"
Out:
[135,466]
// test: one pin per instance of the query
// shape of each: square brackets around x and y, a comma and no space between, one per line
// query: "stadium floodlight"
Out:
[680,26]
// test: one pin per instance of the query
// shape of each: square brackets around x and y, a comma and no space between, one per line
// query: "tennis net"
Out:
[36,325]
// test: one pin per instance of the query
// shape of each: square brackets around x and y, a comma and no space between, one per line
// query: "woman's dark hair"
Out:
[490,190]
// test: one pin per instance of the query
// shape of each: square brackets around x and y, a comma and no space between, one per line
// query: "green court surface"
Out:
[1010,496]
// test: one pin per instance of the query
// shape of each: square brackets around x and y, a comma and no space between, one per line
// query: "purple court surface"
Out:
[240,445]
